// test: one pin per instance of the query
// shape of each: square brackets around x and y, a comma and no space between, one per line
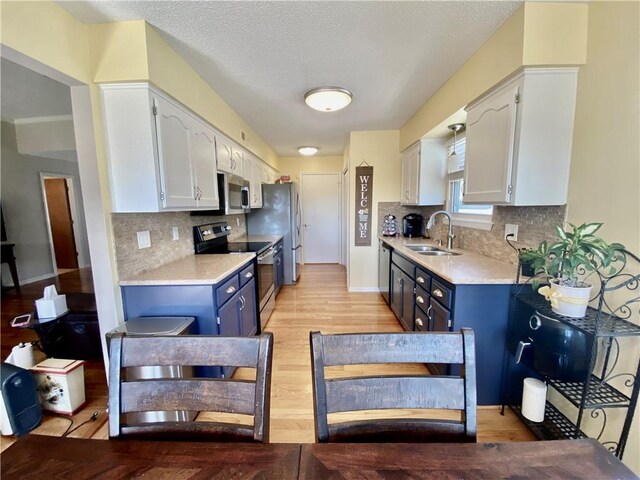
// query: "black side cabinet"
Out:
[592,371]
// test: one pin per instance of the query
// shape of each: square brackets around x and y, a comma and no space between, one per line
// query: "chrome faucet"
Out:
[450,235]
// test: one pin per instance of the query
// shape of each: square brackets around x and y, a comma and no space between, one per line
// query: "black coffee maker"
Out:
[412,225]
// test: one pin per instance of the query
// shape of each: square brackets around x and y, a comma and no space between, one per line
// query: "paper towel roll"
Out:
[22,355]
[534,397]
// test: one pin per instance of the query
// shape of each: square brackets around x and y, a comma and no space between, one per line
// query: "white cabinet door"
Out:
[491,126]
[204,165]
[410,166]
[174,152]
[237,162]
[223,154]
[253,173]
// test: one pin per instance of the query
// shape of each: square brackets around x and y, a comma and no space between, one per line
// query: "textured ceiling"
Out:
[262,56]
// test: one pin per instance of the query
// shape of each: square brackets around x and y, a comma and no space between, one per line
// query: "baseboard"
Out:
[364,289]
[27,281]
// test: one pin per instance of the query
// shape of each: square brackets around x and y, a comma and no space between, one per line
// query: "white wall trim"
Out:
[25,281]
[51,118]
[364,289]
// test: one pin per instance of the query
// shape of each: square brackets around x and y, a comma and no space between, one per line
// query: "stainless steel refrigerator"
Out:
[280,215]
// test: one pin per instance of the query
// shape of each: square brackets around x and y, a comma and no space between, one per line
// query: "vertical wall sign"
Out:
[364,199]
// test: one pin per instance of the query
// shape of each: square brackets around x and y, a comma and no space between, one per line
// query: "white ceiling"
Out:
[262,56]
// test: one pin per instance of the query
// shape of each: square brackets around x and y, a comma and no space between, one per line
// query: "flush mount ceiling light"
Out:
[328,99]
[308,151]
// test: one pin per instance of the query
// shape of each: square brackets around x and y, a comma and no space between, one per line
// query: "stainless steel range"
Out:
[211,238]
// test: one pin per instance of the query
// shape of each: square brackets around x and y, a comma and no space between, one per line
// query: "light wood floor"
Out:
[321,302]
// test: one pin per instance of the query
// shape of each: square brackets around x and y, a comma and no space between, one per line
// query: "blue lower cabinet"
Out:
[441,307]
[221,309]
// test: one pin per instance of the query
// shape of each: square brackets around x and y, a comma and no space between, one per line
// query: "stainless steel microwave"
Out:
[233,193]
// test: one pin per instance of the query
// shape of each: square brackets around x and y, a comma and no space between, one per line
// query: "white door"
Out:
[321,217]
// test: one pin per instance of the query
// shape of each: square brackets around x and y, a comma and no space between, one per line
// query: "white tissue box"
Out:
[51,307]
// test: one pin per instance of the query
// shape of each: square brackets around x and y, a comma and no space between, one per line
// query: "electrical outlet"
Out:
[144,239]
[175,233]
[511,229]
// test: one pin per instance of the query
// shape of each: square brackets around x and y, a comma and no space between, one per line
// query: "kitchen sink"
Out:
[431,251]
[423,248]
[439,253]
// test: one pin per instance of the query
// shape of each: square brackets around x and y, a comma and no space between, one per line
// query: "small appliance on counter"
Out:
[389,226]
[412,225]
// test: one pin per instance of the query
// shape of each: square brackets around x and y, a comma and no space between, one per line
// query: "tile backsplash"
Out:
[534,225]
[132,260]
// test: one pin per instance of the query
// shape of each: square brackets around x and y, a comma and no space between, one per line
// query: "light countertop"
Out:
[468,268]
[192,270]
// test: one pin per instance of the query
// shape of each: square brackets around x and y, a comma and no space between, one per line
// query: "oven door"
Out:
[265,275]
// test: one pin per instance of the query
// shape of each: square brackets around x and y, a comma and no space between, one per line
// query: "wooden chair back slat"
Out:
[392,348]
[374,393]
[188,394]
[396,391]
[199,350]
[126,398]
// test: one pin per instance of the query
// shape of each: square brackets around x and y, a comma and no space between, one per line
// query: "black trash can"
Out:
[75,336]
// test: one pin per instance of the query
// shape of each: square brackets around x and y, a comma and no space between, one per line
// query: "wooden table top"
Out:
[36,456]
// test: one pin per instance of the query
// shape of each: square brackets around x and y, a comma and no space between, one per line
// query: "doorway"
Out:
[61,215]
[321,217]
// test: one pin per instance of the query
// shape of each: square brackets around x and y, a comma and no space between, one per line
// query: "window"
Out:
[475,216]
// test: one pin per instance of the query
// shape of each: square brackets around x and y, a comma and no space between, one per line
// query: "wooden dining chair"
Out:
[129,397]
[456,392]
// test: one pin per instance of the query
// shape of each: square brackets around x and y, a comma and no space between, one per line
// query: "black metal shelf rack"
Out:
[609,318]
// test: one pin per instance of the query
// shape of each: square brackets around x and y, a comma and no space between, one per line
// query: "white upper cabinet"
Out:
[223,154]
[204,163]
[519,138]
[161,156]
[230,156]
[253,173]
[423,173]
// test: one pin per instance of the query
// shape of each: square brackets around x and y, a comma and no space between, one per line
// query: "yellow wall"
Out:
[555,34]
[380,150]
[605,166]
[47,33]
[536,34]
[119,52]
[294,166]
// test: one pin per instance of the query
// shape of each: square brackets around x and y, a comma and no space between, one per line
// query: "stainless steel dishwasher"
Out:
[384,266]
[158,326]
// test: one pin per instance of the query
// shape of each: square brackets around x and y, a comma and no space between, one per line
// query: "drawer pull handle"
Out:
[420,280]
[419,299]
[248,275]
[231,289]
[438,293]
[429,312]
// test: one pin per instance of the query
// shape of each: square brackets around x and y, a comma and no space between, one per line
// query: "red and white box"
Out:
[60,385]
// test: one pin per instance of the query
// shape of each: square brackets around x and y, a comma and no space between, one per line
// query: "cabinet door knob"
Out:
[248,275]
[438,293]
[419,322]
[231,289]
[419,299]
[420,280]
[534,322]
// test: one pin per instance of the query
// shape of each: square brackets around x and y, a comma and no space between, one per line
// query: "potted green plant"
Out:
[566,263]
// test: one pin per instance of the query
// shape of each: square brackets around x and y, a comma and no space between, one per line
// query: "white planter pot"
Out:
[569,301]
